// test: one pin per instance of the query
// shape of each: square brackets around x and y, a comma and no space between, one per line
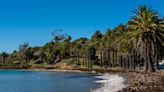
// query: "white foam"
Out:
[111,83]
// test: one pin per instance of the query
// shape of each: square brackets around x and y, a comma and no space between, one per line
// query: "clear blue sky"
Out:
[33,20]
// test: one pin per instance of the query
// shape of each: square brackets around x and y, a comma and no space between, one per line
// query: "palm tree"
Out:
[95,39]
[107,37]
[4,55]
[147,36]
[91,55]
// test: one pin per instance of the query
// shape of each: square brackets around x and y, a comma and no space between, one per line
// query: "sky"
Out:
[33,21]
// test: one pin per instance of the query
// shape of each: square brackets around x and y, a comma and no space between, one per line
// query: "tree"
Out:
[91,53]
[58,36]
[95,39]
[147,36]
[68,39]
[105,48]
[4,55]
[22,52]
[29,54]
[97,35]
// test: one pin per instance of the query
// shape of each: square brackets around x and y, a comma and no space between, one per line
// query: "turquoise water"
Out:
[33,81]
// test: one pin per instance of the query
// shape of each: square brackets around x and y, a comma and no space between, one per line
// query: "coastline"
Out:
[134,81]
[105,78]
[109,80]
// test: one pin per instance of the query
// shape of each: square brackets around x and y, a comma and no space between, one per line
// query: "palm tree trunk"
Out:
[4,62]
[124,63]
[150,63]
[128,61]
[146,59]
[101,57]
[156,62]
[105,58]
[145,64]
[133,64]
[91,63]
[119,62]
[156,58]
[116,58]
[108,57]
[78,58]
[83,58]
[113,65]
[86,60]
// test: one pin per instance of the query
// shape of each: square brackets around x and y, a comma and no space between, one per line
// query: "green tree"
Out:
[147,36]
[95,39]
[92,55]
[4,55]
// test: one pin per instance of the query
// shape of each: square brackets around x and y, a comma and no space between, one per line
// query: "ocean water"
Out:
[34,81]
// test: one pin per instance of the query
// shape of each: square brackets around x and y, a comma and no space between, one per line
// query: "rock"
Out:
[143,82]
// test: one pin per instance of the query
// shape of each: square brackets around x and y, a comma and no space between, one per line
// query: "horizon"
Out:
[33,21]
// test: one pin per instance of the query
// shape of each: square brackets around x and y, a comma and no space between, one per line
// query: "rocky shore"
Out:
[144,82]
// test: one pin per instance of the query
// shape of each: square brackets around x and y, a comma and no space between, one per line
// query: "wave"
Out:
[110,83]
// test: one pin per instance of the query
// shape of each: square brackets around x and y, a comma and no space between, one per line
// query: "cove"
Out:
[34,81]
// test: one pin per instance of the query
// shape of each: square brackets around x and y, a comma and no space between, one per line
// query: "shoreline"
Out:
[105,82]
[108,80]
[134,81]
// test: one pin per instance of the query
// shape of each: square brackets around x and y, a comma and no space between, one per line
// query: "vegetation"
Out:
[138,44]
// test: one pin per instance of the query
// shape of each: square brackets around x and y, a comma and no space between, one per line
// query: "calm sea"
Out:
[34,81]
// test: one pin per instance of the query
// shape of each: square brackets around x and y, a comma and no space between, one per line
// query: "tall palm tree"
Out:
[148,38]
[104,47]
